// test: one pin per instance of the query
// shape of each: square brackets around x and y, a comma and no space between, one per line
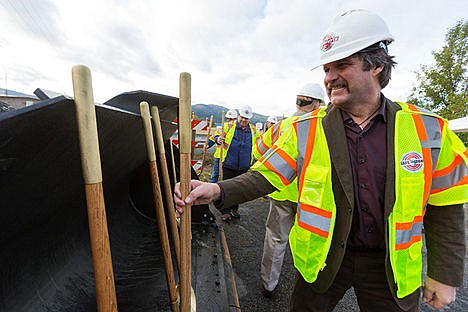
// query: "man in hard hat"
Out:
[371,173]
[237,153]
[271,121]
[231,116]
[282,204]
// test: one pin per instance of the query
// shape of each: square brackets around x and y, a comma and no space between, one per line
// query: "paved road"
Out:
[245,240]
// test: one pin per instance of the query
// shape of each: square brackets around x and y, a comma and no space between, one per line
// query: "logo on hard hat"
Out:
[328,41]
[412,162]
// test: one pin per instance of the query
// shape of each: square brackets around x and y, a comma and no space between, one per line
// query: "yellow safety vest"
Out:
[264,143]
[431,167]
[229,130]
[227,127]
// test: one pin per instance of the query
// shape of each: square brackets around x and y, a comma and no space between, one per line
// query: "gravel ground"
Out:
[245,239]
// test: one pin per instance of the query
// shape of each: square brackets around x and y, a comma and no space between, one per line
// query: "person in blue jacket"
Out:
[237,153]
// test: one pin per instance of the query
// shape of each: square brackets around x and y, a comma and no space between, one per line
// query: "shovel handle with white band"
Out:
[91,167]
[166,182]
[185,138]
[159,206]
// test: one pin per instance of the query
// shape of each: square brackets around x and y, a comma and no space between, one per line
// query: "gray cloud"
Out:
[116,50]
[37,19]
[25,74]
[234,78]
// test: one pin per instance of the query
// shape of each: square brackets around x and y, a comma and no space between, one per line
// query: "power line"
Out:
[27,12]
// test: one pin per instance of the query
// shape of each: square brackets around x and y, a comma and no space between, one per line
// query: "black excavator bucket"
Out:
[45,261]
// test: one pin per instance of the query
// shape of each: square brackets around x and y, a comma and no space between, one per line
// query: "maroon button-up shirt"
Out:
[368,155]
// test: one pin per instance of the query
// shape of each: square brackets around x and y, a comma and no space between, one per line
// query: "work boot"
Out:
[235,214]
[226,217]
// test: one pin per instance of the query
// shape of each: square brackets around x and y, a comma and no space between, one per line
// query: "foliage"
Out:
[443,86]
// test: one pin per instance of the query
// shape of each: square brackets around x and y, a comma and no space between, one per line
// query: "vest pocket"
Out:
[314,185]
[415,251]
[410,198]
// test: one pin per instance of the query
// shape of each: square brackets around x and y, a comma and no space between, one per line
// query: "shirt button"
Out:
[362,160]
[370,230]
[363,185]
[342,244]
[350,210]
[364,209]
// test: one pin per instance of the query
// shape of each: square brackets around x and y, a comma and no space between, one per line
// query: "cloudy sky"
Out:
[238,52]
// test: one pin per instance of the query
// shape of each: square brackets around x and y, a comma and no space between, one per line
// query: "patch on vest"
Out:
[412,162]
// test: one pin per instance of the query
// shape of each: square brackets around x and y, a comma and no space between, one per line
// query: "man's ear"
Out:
[377,70]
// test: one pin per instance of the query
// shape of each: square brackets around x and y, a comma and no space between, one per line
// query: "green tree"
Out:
[443,86]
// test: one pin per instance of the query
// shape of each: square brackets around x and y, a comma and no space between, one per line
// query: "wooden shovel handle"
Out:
[158,202]
[91,166]
[185,138]
[166,182]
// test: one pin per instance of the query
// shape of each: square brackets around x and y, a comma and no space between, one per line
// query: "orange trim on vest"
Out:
[426,152]
[463,181]
[316,210]
[419,124]
[441,123]
[272,135]
[408,225]
[309,148]
[263,145]
[312,229]
[457,161]
[414,239]
[427,173]
[270,167]
[286,158]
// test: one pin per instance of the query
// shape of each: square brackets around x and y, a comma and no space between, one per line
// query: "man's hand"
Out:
[438,295]
[220,140]
[201,193]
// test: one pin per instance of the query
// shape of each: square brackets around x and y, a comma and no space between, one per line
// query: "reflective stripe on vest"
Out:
[264,143]
[280,163]
[314,219]
[453,175]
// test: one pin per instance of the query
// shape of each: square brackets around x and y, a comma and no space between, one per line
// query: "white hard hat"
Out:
[232,114]
[351,32]
[313,90]
[272,119]
[246,111]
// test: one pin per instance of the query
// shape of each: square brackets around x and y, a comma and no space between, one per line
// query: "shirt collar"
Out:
[381,111]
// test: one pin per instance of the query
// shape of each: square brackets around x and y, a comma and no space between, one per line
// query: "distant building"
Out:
[10,100]
[4,107]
